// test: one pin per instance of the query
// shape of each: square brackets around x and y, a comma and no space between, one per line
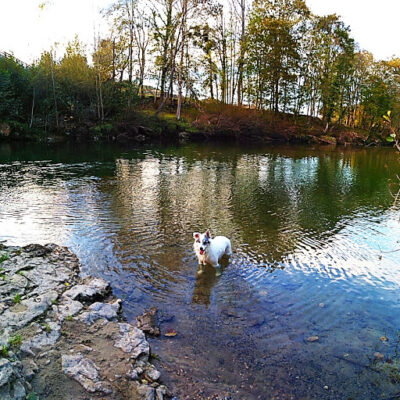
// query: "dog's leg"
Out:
[200,270]
[218,270]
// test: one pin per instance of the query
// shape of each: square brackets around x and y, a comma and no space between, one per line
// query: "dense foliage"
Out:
[269,55]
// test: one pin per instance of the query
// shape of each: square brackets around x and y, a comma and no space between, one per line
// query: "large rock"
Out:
[6,371]
[11,380]
[91,290]
[146,392]
[132,340]
[39,342]
[107,311]
[67,309]
[84,371]
[20,315]
[40,294]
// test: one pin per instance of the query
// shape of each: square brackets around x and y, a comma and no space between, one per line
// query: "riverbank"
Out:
[206,122]
[62,335]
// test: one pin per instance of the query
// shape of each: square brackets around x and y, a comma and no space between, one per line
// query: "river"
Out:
[316,243]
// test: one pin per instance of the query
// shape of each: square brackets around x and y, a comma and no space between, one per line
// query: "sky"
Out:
[26,30]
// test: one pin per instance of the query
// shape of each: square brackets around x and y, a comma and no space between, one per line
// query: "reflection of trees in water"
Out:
[269,201]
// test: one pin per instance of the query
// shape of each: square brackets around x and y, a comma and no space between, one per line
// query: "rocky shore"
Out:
[62,336]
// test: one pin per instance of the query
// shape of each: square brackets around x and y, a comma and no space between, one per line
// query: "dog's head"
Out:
[202,241]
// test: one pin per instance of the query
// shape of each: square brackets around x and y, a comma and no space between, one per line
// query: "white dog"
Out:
[209,251]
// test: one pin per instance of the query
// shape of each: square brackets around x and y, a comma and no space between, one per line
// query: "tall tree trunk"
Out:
[242,52]
[54,90]
[180,72]
[33,107]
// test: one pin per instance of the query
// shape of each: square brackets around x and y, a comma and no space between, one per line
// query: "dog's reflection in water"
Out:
[206,278]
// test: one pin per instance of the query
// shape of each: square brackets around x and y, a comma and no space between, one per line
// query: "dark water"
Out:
[314,235]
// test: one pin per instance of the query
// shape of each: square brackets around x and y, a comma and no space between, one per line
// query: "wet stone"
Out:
[147,322]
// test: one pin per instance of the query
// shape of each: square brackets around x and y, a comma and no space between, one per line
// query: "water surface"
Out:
[315,242]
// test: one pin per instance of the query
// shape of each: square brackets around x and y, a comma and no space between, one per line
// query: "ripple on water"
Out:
[313,236]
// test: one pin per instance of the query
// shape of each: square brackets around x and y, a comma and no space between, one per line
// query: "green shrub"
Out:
[15,340]
[17,298]
[4,257]
[4,351]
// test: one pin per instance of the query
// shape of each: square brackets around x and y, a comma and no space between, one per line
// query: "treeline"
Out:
[266,55]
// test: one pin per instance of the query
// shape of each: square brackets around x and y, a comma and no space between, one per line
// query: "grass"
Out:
[47,328]
[155,356]
[15,340]
[4,257]
[4,351]
[69,318]
[17,298]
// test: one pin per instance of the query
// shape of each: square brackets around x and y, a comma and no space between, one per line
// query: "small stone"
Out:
[132,374]
[312,339]
[19,391]
[152,374]
[326,387]
[379,356]
[161,391]
[146,392]
[384,339]
[322,305]
[170,333]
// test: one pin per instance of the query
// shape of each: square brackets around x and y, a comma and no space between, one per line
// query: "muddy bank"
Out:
[62,335]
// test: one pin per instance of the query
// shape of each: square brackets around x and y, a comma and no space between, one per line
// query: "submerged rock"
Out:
[147,322]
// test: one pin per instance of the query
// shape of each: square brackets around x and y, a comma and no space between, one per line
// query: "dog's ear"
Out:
[208,233]
[196,236]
